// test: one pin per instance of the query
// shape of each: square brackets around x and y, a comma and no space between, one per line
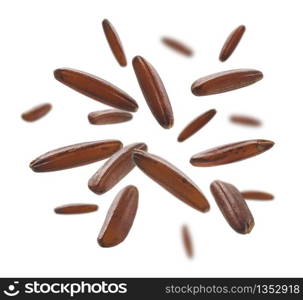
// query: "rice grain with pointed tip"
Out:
[230,153]
[114,42]
[154,92]
[96,88]
[233,206]
[196,124]
[225,81]
[109,116]
[231,43]
[75,155]
[119,218]
[171,179]
[116,168]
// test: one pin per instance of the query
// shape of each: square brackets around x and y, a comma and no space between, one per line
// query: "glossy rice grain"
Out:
[109,116]
[187,241]
[257,195]
[230,153]
[119,218]
[196,125]
[231,43]
[225,81]
[154,91]
[116,168]
[96,88]
[75,155]
[177,46]
[36,112]
[171,179]
[114,42]
[70,209]
[245,120]
[233,206]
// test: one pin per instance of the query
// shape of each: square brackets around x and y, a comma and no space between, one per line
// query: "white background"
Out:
[40,36]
